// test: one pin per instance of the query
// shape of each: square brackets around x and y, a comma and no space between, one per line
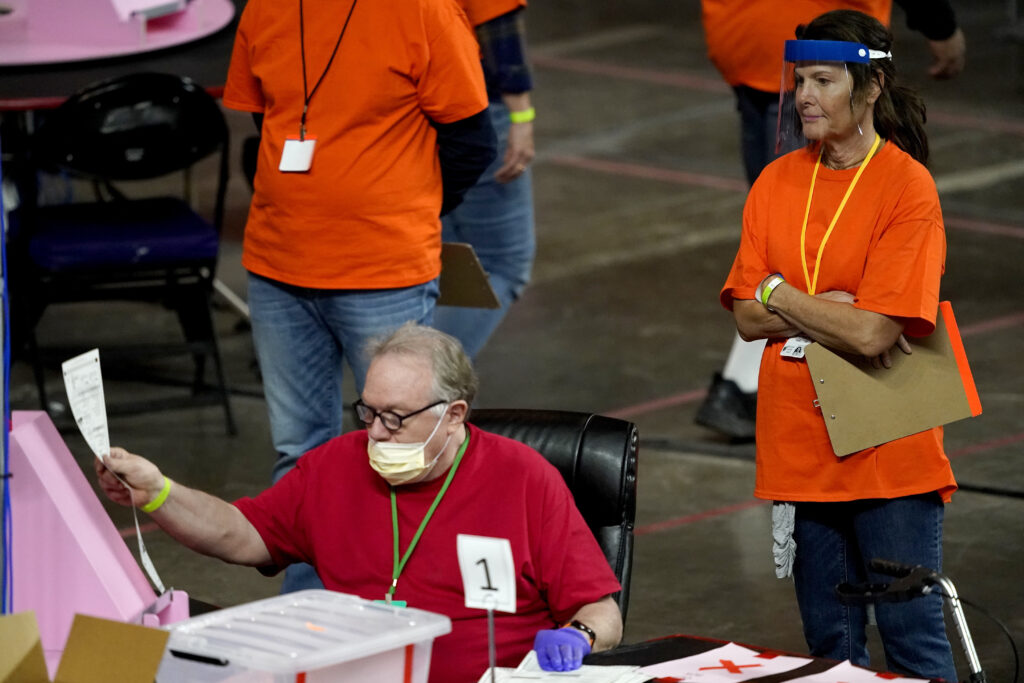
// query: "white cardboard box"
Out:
[313,636]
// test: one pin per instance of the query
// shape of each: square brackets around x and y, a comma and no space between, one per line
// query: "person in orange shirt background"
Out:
[843,244]
[373,121]
[744,39]
[496,215]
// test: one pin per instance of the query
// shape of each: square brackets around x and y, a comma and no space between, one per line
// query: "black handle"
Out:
[890,568]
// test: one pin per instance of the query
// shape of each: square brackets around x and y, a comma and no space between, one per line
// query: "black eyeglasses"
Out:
[391,420]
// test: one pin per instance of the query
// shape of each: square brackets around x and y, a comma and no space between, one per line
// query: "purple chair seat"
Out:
[121,234]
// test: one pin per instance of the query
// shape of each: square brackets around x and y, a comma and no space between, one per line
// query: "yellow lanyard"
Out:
[813,283]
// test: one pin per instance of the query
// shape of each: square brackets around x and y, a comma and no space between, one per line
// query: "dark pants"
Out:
[834,543]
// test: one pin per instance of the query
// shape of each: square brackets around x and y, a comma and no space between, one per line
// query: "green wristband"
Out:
[524,116]
[161,497]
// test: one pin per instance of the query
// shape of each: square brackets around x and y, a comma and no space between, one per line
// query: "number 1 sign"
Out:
[488,572]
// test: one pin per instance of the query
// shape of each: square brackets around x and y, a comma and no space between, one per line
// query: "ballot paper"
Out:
[84,384]
[731,662]
[848,673]
[529,670]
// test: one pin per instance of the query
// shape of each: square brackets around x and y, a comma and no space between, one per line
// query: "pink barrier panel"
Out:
[68,556]
[52,31]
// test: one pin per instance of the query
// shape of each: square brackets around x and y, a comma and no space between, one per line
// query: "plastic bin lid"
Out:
[304,631]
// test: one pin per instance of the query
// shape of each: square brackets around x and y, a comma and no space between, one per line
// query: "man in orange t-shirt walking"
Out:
[373,122]
[497,214]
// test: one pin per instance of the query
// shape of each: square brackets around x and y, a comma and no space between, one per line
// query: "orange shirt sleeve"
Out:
[451,85]
[901,279]
[242,90]
[751,263]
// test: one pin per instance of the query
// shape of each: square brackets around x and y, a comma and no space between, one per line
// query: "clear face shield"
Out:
[816,85]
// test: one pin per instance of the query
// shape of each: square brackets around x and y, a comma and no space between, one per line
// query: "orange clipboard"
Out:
[863,406]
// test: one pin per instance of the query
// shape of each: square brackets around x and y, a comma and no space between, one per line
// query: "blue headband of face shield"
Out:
[831,51]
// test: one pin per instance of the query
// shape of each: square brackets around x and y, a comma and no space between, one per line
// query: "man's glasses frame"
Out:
[391,420]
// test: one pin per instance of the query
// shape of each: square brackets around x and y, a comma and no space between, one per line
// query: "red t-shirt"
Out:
[888,249]
[366,214]
[745,38]
[334,511]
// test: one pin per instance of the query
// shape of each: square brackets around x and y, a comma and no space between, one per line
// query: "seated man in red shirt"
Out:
[335,511]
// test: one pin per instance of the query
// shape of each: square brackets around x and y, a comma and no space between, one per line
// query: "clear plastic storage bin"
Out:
[309,636]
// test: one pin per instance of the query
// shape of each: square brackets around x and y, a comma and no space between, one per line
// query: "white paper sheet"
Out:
[731,662]
[848,673]
[529,671]
[84,384]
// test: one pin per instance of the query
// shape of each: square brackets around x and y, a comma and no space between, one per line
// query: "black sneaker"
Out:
[728,410]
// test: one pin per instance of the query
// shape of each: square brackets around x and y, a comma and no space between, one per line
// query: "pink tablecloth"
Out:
[54,31]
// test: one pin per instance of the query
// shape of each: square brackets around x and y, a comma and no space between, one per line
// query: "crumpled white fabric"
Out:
[783,545]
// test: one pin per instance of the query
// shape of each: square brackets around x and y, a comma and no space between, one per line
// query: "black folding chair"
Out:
[155,249]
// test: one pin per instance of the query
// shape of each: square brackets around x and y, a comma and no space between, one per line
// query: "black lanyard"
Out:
[306,95]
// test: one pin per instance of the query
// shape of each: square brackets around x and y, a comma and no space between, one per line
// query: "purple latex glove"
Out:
[561,649]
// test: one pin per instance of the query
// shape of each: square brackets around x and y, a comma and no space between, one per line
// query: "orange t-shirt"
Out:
[746,38]
[482,11]
[366,214]
[888,249]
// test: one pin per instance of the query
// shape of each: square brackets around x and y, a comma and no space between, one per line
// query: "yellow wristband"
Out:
[524,116]
[769,288]
[161,497]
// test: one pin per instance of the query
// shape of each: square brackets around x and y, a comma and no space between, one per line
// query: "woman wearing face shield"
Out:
[843,244]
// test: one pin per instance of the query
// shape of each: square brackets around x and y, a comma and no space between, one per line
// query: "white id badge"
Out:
[794,347]
[297,156]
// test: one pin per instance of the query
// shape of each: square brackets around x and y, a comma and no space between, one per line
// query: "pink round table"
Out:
[49,49]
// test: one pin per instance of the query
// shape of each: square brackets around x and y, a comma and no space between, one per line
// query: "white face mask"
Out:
[399,463]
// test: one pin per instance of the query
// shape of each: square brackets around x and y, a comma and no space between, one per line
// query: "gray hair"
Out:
[453,379]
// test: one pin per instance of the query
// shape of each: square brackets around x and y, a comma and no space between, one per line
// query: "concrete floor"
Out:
[639,191]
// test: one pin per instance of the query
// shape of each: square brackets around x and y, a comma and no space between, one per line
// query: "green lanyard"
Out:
[400,565]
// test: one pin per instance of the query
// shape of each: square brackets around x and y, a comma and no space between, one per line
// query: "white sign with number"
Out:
[488,572]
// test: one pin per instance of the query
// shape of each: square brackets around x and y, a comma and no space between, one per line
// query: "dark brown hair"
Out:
[899,111]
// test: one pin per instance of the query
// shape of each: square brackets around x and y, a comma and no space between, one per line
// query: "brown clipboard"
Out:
[863,406]
[463,280]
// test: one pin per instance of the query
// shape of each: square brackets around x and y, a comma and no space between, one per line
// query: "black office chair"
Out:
[156,249]
[597,457]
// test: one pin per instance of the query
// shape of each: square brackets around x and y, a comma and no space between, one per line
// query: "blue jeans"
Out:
[497,219]
[834,544]
[302,336]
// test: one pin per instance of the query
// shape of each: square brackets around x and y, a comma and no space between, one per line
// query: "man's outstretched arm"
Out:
[202,522]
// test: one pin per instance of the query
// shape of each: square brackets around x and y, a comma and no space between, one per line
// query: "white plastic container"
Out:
[311,636]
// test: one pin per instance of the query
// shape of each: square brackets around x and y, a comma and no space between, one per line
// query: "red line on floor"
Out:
[658,404]
[667,175]
[677,79]
[670,175]
[655,527]
[693,81]
[985,227]
[995,124]
[697,517]
[990,445]
[993,324]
